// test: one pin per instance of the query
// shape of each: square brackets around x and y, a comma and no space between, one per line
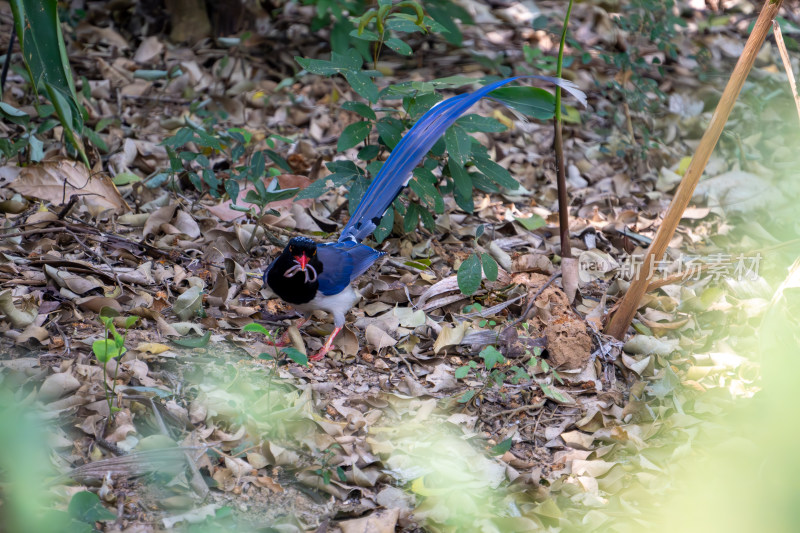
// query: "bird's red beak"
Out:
[303,260]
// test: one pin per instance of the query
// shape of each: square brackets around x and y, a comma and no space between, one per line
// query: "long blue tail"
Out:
[395,173]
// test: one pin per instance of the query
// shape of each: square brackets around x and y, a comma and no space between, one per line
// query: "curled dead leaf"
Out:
[57,181]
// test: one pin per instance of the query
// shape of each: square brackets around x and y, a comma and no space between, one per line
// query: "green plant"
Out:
[655,22]
[467,165]
[469,273]
[495,372]
[26,146]
[111,346]
[193,144]
[39,32]
[388,19]
[284,355]
[325,469]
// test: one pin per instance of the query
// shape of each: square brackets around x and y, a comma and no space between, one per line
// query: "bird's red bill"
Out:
[303,260]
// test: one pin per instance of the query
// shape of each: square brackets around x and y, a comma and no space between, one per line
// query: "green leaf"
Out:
[459,144]
[411,219]
[532,101]
[69,117]
[426,191]
[150,75]
[482,183]
[399,46]
[267,197]
[552,393]
[489,267]
[232,189]
[44,52]
[501,448]
[95,139]
[420,103]
[445,14]
[473,123]
[402,24]
[385,227]
[125,178]
[353,134]
[295,355]
[495,172]
[321,185]
[365,35]
[361,108]
[469,275]
[278,160]
[105,350]
[463,186]
[42,44]
[12,114]
[317,66]
[467,396]
[532,222]
[37,148]
[257,166]
[491,357]
[461,372]
[246,135]
[358,187]
[362,84]
[391,131]
[194,342]
[369,152]
[86,507]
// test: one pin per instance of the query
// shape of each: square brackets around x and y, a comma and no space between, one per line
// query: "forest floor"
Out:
[435,411]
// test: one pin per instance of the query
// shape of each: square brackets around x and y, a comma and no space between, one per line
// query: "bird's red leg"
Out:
[284,339]
[327,346]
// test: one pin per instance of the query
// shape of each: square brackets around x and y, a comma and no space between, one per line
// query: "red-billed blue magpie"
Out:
[311,275]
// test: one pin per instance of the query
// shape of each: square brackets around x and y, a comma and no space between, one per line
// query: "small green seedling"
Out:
[111,346]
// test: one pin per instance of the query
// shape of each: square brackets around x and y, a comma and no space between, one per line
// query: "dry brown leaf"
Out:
[378,338]
[56,386]
[19,318]
[450,336]
[56,182]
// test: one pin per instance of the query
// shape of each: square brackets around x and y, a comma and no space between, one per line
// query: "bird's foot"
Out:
[326,347]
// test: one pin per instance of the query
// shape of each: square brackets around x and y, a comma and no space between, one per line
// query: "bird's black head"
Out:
[299,246]
[293,275]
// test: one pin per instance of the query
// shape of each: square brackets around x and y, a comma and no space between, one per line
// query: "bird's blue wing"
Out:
[396,171]
[343,262]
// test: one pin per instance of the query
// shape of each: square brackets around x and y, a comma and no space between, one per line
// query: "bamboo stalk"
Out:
[619,322]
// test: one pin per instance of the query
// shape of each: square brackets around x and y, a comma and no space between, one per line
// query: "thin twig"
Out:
[513,411]
[787,65]
[100,257]
[532,301]
[408,365]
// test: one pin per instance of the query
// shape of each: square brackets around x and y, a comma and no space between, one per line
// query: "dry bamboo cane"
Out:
[619,322]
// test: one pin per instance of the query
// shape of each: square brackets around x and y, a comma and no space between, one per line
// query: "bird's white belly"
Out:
[336,304]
